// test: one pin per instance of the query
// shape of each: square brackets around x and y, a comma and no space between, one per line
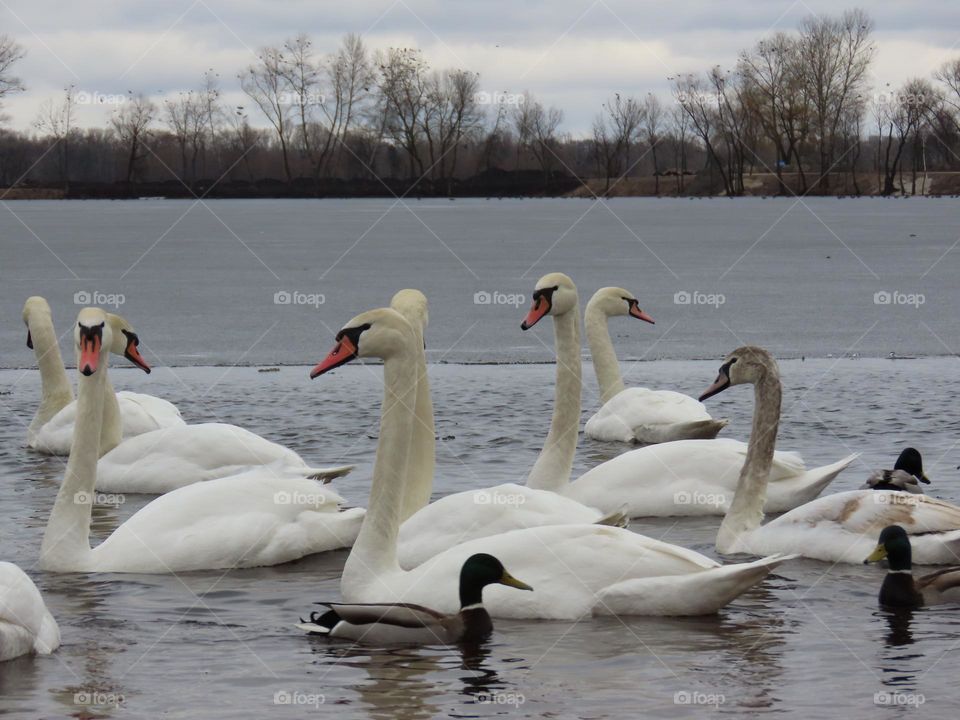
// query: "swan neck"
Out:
[67,537]
[111,429]
[56,392]
[420,468]
[555,462]
[375,551]
[605,363]
[746,509]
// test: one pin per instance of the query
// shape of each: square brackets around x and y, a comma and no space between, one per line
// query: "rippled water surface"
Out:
[241,282]
[809,642]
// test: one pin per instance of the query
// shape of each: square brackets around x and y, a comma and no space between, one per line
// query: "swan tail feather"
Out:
[696,430]
[618,518]
[696,593]
[327,474]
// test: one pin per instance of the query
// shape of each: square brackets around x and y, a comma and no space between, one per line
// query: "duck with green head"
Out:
[900,588]
[409,624]
[906,475]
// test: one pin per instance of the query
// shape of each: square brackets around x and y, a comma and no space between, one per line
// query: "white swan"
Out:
[635,414]
[682,477]
[164,460]
[576,569]
[251,519]
[26,626]
[128,413]
[430,529]
[838,528]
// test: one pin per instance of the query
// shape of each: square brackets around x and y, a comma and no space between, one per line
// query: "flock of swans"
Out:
[425,572]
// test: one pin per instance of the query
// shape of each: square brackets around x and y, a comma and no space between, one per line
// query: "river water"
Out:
[810,641]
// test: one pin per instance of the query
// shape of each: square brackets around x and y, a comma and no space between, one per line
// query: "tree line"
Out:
[797,107]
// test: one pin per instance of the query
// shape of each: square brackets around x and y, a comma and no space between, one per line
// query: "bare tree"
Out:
[402,83]
[537,131]
[900,116]
[131,122]
[835,56]
[452,113]
[266,83]
[653,120]
[55,120]
[10,53]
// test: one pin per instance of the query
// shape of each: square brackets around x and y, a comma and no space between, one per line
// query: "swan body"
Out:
[635,415]
[130,414]
[695,477]
[164,460]
[639,415]
[835,528]
[26,625]
[571,566]
[431,528]
[251,519]
[140,414]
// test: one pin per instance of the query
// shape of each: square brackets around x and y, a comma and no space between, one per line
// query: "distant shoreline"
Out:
[492,185]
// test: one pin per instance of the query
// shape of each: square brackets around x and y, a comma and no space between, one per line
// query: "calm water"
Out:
[199,281]
[215,644]
[199,285]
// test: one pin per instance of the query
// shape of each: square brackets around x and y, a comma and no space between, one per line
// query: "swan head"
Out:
[554,294]
[126,341]
[35,307]
[381,333]
[412,304]
[747,364]
[615,301]
[92,336]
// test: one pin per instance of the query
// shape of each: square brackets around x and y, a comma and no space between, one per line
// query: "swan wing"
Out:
[475,514]
[640,414]
[25,623]
[251,519]
[172,457]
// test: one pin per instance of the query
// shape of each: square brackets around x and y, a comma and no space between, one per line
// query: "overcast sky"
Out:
[571,53]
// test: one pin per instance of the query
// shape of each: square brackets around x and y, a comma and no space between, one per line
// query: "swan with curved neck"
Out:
[581,568]
[836,528]
[459,517]
[682,477]
[126,414]
[251,519]
[635,414]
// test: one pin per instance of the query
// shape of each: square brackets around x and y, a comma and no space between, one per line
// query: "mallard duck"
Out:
[906,474]
[405,623]
[900,588]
